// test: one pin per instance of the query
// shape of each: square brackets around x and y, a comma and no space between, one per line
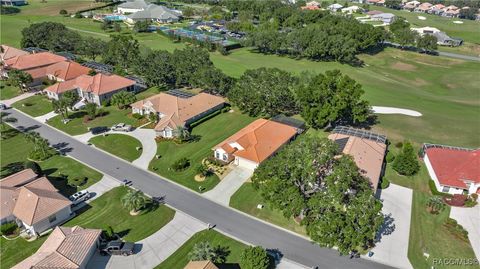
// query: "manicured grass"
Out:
[58,165]
[53,7]
[211,132]
[107,211]
[14,150]
[123,146]
[15,251]
[179,258]
[8,92]
[34,106]
[147,93]
[112,116]
[247,198]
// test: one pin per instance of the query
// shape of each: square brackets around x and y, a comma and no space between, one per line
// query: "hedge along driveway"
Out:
[123,146]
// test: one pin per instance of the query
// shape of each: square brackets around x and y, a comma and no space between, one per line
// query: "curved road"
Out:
[227,220]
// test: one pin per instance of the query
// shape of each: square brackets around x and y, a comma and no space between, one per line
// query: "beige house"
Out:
[174,111]
[200,265]
[65,248]
[32,202]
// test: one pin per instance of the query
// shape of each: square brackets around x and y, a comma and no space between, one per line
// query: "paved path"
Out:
[229,185]
[395,110]
[154,249]
[105,184]
[469,218]
[393,246]
[46,117]
[230,221]
[9,102]
[145,136]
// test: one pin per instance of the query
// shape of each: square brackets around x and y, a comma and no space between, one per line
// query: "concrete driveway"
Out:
[154,249]
[229,185]
[469,218]
[392,248]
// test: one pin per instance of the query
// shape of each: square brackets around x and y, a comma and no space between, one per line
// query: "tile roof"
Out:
[29,61]
[200,265]
[367,154]
[178,110]
[136,4]
[455,166]
[67,70]
[65,248]
[98,84]
[153,11]
[18,179]
[259,140]
[38,200]
[11,52]
[9,190]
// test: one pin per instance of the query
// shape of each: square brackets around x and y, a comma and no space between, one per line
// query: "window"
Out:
[225,157]
[217,155]
[52,218]
[446,189]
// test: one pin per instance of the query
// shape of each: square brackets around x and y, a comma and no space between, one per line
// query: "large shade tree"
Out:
[20,79]
[122,50]
[329,193]
[50,35]
[123,99]
[332,99]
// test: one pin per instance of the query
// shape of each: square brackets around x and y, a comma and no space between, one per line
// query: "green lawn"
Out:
[112,116]
[15,251]
[147,93]
[179,258]
[8,92]
[123,146]
[14,150]
[34,106]
[211,132]
[246,199]
[107,211]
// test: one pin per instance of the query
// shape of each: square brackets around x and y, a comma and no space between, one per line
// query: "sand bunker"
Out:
[394,110]
[421,18]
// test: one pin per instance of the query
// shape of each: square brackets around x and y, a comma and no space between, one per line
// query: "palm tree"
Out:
[202,251]
[40,145]
[134,200]
[183,133]
[435,204]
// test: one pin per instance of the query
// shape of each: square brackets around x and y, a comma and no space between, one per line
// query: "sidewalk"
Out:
[154,249]
[46,117]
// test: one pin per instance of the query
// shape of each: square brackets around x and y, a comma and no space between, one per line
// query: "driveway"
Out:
[469,218]
[229,185]
[46,117]
[392,249]
[105,184]
[154,249]
[9,102]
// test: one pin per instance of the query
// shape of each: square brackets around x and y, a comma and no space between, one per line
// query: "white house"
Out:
[351,9]
[334,7]
[454,170]
[132,6]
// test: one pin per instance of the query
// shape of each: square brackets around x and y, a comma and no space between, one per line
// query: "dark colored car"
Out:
[99,130]
[118,248]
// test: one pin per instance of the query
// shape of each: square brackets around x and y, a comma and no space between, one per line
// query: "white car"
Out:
[79,197]
[121,127]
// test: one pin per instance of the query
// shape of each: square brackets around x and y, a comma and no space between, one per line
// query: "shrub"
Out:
[406,163]
[385,183]
[254,258]
[181,164]
[78,15]
[390,157]
[474,196]
[8,228]
[9,10]
[399,145]
[456,229]
[203,170]
[63,12]
[34,166]
[137,116]
[77,181]
[470,203]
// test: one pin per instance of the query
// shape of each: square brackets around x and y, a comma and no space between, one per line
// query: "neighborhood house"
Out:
[367,149]
[177,111]
[92,89]
[154,13]
[442,38]
[200,265]
[255,143]
[8,52]
[454,170]
[32,202]
[66,247]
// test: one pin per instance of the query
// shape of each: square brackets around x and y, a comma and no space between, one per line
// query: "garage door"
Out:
[245,163]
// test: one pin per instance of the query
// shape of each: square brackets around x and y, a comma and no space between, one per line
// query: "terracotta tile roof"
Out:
[29,61]
[455,166]
[66,247]
[39,72]
[367,154]
[38,200]
[178,110]
[11,52]
[67,70]
[98,84]
[9,190]
[18,179]
[201,265]
[259,140]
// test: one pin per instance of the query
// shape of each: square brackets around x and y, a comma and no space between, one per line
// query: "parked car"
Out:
[98,130]
[118,248]
[3,106]
[79,197]
[122,127]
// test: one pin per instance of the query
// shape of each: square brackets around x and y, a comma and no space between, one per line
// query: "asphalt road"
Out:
[227,220]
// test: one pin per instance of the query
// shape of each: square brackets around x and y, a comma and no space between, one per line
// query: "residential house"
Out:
[367,149]
[255,143]
[442,38]
[423,7]
[96,89]
[13,2]
[374,12]
[65,247]
[312,5]
[200,265]
[129,7]
[352,9]
[334,7]
[451,11]
[454,170]
[176,111]
[376,2]
[436,9]
[8,52]
[154,13]
[386,18]
[32,202]
[410,6]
